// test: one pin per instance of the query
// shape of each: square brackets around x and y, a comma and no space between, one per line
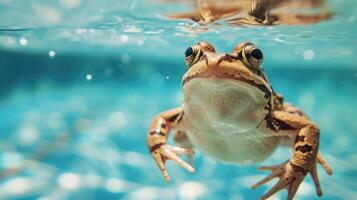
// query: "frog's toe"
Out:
[184,151]
[160,161]
[288,179]
[166,152]
[171,153]
[315,178]
[324,164]
[273,167]
[277,170]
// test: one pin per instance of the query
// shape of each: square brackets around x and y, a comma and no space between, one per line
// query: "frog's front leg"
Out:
[304,156]
[157,138]
[182,140]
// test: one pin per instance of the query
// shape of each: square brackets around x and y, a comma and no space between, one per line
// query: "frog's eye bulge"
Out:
[237,51]
[194,53]
[252,56]
[249,54]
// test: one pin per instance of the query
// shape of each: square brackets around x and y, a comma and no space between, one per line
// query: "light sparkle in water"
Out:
[69,181]
[124,38]
[114,185]
[51,53]
[89,77]
[18,185]
[191,190]
[23,41]
[309,54]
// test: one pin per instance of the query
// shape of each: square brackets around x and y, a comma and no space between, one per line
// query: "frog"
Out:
[231,113]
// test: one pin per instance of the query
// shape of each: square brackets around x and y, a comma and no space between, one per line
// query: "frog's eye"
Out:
[188,52]
[193,54]
[249,54]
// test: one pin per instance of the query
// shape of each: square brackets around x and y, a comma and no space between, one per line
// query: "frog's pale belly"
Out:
[223,104]
[243,148]
[222,119]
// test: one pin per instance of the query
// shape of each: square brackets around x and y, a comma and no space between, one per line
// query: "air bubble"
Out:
[309,54]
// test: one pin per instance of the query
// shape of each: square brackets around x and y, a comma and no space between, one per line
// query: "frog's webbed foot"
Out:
[166,152]
[289,178]
[305,156]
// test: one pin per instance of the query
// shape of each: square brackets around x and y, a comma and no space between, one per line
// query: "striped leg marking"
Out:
[157,138]
[304,159]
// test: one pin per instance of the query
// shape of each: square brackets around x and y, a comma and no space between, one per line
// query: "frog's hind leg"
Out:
[304,158]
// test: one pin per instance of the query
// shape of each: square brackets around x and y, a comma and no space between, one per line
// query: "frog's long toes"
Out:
[190,159]
[277,170]
[187,151]
[191,169]
[268,178]
[273,167]
[169,153]
[289,182]
[166,177]
[160,161]
[315,178]
[292,188]
[288,179]
[324,164]
[182,150]
[278,186]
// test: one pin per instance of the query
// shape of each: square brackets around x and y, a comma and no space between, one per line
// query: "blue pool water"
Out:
[81,80]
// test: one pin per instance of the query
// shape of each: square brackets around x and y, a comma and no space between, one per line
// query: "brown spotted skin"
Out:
[278,120]
[304,157]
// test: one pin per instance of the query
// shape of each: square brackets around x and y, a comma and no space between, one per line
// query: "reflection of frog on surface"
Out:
[256,12]
[231,112]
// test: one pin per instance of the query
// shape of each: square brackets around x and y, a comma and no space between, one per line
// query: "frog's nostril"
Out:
[214,59]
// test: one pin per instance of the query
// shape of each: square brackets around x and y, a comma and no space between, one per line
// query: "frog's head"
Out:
[241,67]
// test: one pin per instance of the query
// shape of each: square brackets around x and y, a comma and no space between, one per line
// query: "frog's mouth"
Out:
[214,82]
[235,77]
[225,67]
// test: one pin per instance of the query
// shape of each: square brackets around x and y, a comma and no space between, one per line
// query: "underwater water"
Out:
[80,82]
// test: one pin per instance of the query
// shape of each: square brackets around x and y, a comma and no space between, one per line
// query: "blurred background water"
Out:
[81,80]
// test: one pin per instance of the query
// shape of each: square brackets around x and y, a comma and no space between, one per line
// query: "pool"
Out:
[81,81]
